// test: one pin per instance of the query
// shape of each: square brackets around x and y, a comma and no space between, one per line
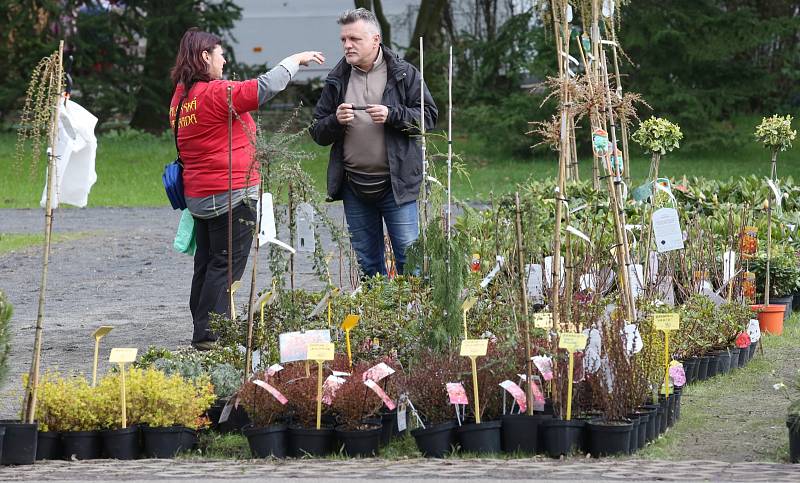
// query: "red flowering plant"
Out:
[263,399]
[743,340]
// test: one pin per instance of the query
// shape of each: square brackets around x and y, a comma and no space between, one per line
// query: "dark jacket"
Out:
[401,130]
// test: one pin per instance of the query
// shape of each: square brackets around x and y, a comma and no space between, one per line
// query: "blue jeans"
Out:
[365,221]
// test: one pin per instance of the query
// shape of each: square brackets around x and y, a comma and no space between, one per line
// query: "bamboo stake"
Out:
[647,226]
[773,176]
[449,148]
[232,309]
[524,290]
[248,365]
[425,185]
[33,377]
[623,124]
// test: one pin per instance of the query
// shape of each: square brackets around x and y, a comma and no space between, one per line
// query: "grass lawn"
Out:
[129,168]
[10,242]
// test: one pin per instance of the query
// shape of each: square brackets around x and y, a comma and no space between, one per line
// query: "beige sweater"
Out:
[364,145]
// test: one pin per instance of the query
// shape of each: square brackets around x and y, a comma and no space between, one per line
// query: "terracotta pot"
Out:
[770,318]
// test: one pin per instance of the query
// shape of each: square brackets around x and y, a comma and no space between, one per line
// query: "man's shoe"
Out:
[204,345]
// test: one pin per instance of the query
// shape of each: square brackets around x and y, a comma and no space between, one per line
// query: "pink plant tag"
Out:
[329,387]
[377,390]
[538,396]
[275,393]
[378,372]
[274,369]
[517,392]
[457,393]
[545,366]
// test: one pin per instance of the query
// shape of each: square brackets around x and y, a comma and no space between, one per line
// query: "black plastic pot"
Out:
[651,431]
[237,419]
[481,438]
[644,422]
[166,442]
[435,441]
[521,432]
[633,441]
[81,445]
[19,442]
[713,365]
[561,437]
[663,414]
[793,423]
[609,438]
[388,421]
[787,301]
[690,367]
[360,442]
[269,441]
[734,357]
[49,446]
[2,436]
[122,444]
[313,442]
[724,364]
[702,368]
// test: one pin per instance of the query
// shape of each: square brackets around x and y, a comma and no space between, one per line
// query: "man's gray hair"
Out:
[353,16]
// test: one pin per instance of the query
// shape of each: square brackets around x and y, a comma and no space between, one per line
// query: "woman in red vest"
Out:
[200,108]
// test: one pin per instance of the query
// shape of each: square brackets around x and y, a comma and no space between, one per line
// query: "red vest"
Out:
[203,136]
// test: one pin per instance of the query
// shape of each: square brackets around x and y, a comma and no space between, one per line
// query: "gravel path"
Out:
[125,273]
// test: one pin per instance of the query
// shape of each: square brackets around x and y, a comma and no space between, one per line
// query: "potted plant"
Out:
[170,409]
[427,391]
[68,405]
[18,439]
[784,274]
[301,391]
[118,442]
[484,437]
[267,434]
[355,406]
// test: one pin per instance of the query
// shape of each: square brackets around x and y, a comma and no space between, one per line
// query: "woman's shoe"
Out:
[204,345]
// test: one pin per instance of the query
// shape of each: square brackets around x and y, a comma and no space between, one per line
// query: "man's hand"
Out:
[305,58]
[378,113]
[344,113]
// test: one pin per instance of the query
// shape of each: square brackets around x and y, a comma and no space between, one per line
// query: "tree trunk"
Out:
[429,20]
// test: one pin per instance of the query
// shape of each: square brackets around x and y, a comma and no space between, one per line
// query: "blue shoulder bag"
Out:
[173,172]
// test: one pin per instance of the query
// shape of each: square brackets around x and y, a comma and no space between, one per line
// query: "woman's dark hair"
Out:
[189,64]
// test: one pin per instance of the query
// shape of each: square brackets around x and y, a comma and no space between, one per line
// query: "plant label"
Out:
[667,230]
[635,278]
[653,267]
[748,242]
[350,321]
[474,347]
[516,392]
[548,271]
[588,282]
[642,192]
[490,276]
[543,320]
[666,322]
[456,393]
[274,369]
[304,224]
[591,360]
[754,330]
[272,390]
[267,233]
[321,305]
[534,283]
[729,265]
[633,339]
[101,332]
[402,419]
[329,388]
[294,345]
[226,411]
[469,302]
[571,341]
[545,366]
[378,372]
[574,231]
[122,355]
[381,394]
[320,351]
[256,359]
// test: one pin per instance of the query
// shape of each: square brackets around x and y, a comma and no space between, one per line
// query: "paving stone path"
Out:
[411,470]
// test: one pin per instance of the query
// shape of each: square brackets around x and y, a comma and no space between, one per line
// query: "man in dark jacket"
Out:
[369,112]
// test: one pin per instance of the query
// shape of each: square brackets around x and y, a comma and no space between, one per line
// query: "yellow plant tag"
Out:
[320,351]
[543,320]
[102,331]
[235,286]
[666,321]
[474,347]
[571,341]
[350,321]
[468,303]
[120,354]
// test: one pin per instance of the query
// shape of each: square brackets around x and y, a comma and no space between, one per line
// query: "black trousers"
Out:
[210,280]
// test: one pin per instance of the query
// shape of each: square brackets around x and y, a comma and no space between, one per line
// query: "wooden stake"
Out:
[425,169]
[230,200]
[773,176]
[526,316]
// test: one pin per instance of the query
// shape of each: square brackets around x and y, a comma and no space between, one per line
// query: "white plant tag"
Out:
[729,263]
[304,222]
[635,277]
[255,359]
[711,294]
[633,339]
[653,267]
[754,330]
[667,230]
[534,285]
[267,232]
[588,281]
[402,419]
[490,276]
[608,8]
[591,356]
